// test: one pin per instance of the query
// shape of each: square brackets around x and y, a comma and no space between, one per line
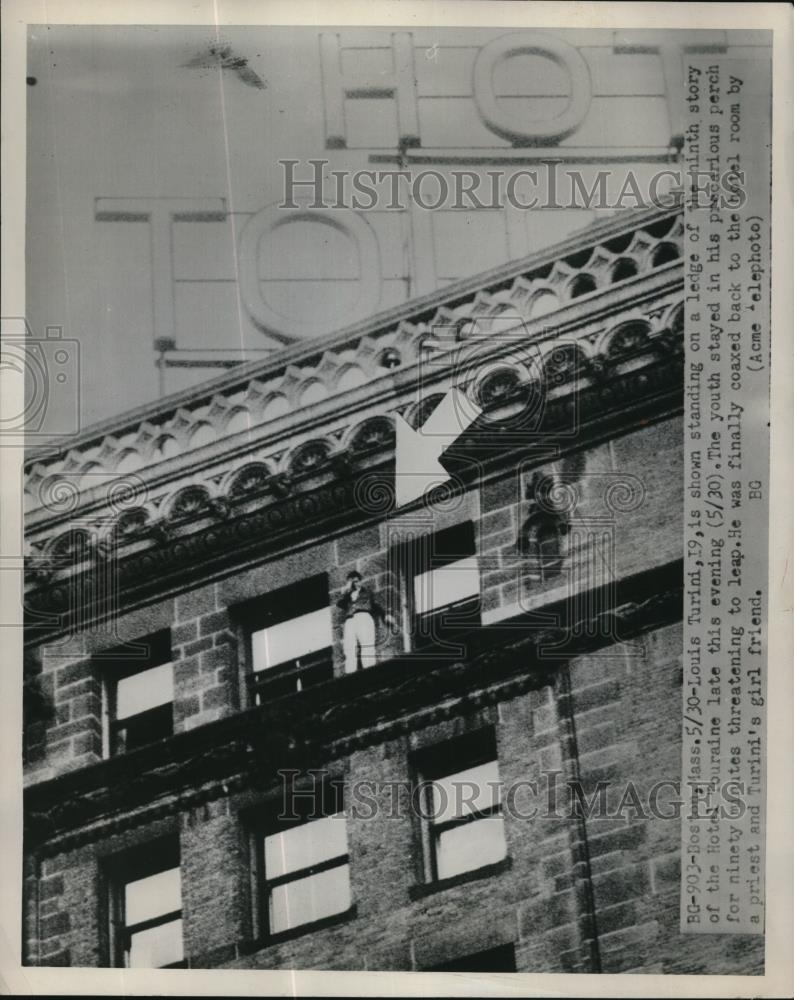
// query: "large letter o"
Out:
[513,126]
[287,330]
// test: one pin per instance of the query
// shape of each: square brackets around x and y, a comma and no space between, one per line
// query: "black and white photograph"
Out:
[389,394]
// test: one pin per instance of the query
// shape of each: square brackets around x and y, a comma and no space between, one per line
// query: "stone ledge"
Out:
[341,715]
[260,944]
[425,889]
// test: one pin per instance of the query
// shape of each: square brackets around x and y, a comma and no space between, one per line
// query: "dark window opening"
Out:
[580,258]
[543,538]
[665,253]
[289,639]
[146,908]
[619,244]
[461,808]
[499,959]
[582,284]
[660,228]
[543,541]
[139,687]
[623,269]
[303,862]
[443,585]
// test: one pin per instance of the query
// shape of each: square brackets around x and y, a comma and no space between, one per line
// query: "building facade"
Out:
[207,786]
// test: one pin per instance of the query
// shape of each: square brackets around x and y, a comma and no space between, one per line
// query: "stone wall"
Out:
[574,894]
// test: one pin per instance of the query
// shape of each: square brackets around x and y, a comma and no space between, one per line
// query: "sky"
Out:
[118,123]
[115,114]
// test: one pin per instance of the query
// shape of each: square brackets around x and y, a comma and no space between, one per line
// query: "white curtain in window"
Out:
[305,845]
[438,588]
[146,899]
[314,896]
[157,946]
[144,690]
[470,846]
[308,899]
[292,638]
[468,791]
[150,897]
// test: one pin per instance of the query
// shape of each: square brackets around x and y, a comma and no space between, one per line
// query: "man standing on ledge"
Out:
[361,608]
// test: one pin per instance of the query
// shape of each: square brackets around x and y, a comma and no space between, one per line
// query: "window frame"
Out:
[289,677]
[116,665]
[140,862]
[432,630]
[442,761]
[267,824]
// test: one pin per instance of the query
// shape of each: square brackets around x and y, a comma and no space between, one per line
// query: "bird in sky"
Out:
[219,56]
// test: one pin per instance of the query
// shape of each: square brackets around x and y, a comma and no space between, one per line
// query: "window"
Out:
[543,541]
[544,535]
[463,826]
[291,639]
[445,584]
[139,686]
[305,869]
[146,908]
[499,959]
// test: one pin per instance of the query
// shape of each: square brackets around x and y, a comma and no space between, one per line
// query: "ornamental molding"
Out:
[148,550]
[590,347]
[273,406]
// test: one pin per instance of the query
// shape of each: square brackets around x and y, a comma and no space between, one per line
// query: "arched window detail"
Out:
[628,339]
[546,301]
[543,542]
[372,435]
[423,409]
[129,523]
[202,433]
[313,391]
[188,502]
[276,406]
[251,478]
[623,269]
[239,420]
[665,253]
[496,386]
[309,456]
[582,284]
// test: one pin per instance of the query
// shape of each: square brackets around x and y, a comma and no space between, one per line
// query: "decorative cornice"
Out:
[562,364]
[200,537]
[601,232]
[335,718]
[269,401]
